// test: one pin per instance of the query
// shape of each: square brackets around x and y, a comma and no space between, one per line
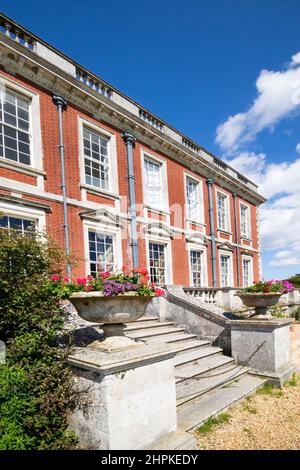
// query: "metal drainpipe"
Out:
[209,182]
[61,105]
[129,140]
[236,240]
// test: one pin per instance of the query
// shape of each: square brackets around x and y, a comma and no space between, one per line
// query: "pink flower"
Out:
[82,281]
[105,274]
[159,292]
[142,271]
[66,279]
[54,278]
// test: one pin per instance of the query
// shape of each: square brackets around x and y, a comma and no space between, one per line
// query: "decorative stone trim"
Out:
[25,202]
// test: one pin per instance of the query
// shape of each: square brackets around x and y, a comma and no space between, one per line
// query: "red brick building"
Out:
[191,218]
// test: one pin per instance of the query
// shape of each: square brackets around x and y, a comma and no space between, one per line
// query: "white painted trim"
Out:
[27,189]
[200,199]
[228,212]
[37,215]
[36,148]
[164,181]
[112,154]
[250,259]
[228,255]
[168,253]
[248,235]
[203,250]
[100,227]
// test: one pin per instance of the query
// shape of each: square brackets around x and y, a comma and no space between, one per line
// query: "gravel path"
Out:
[262,422]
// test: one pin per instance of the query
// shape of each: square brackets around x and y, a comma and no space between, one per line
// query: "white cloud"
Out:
[278,96]
[280,216]
[298,148]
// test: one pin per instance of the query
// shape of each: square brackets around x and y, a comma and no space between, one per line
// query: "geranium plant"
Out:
[273,286]
[128,281]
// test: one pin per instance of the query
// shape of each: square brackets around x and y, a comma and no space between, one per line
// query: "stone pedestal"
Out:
[263,345]
[132,397]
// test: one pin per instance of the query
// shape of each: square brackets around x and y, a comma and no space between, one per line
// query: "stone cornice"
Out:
[18,60]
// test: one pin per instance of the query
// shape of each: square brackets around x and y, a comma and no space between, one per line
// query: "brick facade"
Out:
[107,211]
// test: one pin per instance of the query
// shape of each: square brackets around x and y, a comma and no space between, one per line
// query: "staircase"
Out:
[207,381]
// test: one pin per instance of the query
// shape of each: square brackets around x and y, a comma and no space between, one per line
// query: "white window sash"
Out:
[153,182]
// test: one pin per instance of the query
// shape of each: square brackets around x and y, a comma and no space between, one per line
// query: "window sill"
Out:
[99,192]
[224,231]
[156,210]
[247,239]
[20,168]
[196,222]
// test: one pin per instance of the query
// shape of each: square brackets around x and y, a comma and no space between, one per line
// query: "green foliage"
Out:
[135,282]
[270,389]
[36,388]
[277,312]
[293,382]
[208,426]
[296,314]
[295,280]
[269,287]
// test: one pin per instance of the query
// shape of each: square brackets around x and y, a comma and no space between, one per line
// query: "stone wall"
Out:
[295,343]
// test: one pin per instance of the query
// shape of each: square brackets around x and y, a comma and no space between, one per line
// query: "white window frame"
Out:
[168,255]
[230,268]
[227,209]
[249,259]
[113,185]
[164,206]
[100,227]
[201,250]
[248,234]
[200,205]
[35,134]
[29,213]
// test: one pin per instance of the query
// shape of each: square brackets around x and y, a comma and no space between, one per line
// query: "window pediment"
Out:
[225,246]
[102,215]
[158,229]
[197,238]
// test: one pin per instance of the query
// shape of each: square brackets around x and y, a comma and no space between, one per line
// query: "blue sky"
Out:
[224,72]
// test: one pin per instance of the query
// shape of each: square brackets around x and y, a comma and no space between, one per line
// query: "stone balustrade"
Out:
[150,119]
[16,34]
[226,298]
[220,164]
[190,145]
[94,83]
[207,295]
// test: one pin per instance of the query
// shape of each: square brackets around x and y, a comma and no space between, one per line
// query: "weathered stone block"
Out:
[132,397]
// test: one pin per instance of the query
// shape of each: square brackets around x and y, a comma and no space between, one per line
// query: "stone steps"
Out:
[207,366]
[195,356]
[175,338]
[147,324]
[193,388]
[154,332]
[207,381]
[195,412]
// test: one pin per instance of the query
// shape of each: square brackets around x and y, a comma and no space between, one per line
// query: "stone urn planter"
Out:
[112,312]
[261,302]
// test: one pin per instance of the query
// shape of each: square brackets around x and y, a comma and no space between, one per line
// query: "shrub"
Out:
[296,314]
[295,280]
[36,387]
